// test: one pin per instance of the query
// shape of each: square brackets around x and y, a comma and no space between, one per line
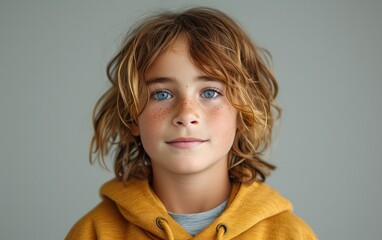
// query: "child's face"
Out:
[188,126]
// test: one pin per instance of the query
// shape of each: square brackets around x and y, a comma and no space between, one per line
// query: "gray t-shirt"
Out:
[196,222]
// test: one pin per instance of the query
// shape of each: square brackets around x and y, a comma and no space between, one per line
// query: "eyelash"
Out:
[217,92]
[153,94]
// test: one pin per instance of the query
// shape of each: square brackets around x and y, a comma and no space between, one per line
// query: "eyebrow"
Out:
[169,79]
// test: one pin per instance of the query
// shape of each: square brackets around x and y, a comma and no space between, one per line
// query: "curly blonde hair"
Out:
[221,49]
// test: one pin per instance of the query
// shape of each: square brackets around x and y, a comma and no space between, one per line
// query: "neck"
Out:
[195,193]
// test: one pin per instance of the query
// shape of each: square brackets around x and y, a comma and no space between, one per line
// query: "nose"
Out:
[187,113]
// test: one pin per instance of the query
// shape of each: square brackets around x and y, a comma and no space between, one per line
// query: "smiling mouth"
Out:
[185,143]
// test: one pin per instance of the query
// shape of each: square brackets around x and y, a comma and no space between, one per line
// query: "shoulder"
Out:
[104,219]
[287,225]
[269,213]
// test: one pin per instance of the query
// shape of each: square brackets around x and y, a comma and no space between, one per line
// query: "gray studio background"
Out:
[327,57]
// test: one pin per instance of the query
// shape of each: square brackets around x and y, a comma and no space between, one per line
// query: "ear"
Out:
[135,131]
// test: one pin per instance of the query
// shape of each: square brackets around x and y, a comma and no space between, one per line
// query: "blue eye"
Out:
[210,93]
[161,95]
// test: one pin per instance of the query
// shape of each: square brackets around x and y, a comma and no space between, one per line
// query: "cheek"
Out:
[151,119]
[223,119]
[221,112]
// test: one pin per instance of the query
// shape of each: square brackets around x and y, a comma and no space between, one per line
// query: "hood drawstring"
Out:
[163,224]
[221,229]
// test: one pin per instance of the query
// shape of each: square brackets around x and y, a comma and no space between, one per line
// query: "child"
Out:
[189,114]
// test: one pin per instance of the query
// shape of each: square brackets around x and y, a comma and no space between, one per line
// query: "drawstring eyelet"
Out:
[221,230]
[163,225]
[222,225]
[159,224]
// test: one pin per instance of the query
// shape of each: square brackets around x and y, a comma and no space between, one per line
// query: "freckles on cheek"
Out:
[222,116]
[153,118]
[215,112]
[222,124]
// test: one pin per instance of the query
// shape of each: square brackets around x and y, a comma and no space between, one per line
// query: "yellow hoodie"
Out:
[132,211]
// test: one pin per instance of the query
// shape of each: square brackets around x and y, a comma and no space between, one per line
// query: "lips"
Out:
[185,143]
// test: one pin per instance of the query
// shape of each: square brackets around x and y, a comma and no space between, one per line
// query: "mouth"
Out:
[185,143]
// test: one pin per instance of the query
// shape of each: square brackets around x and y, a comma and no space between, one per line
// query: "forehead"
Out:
[175,60]
[182,56]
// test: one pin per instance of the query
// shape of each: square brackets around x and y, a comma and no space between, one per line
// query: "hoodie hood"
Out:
[247,206]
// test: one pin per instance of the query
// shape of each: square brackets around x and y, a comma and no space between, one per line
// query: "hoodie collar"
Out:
[247,206]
